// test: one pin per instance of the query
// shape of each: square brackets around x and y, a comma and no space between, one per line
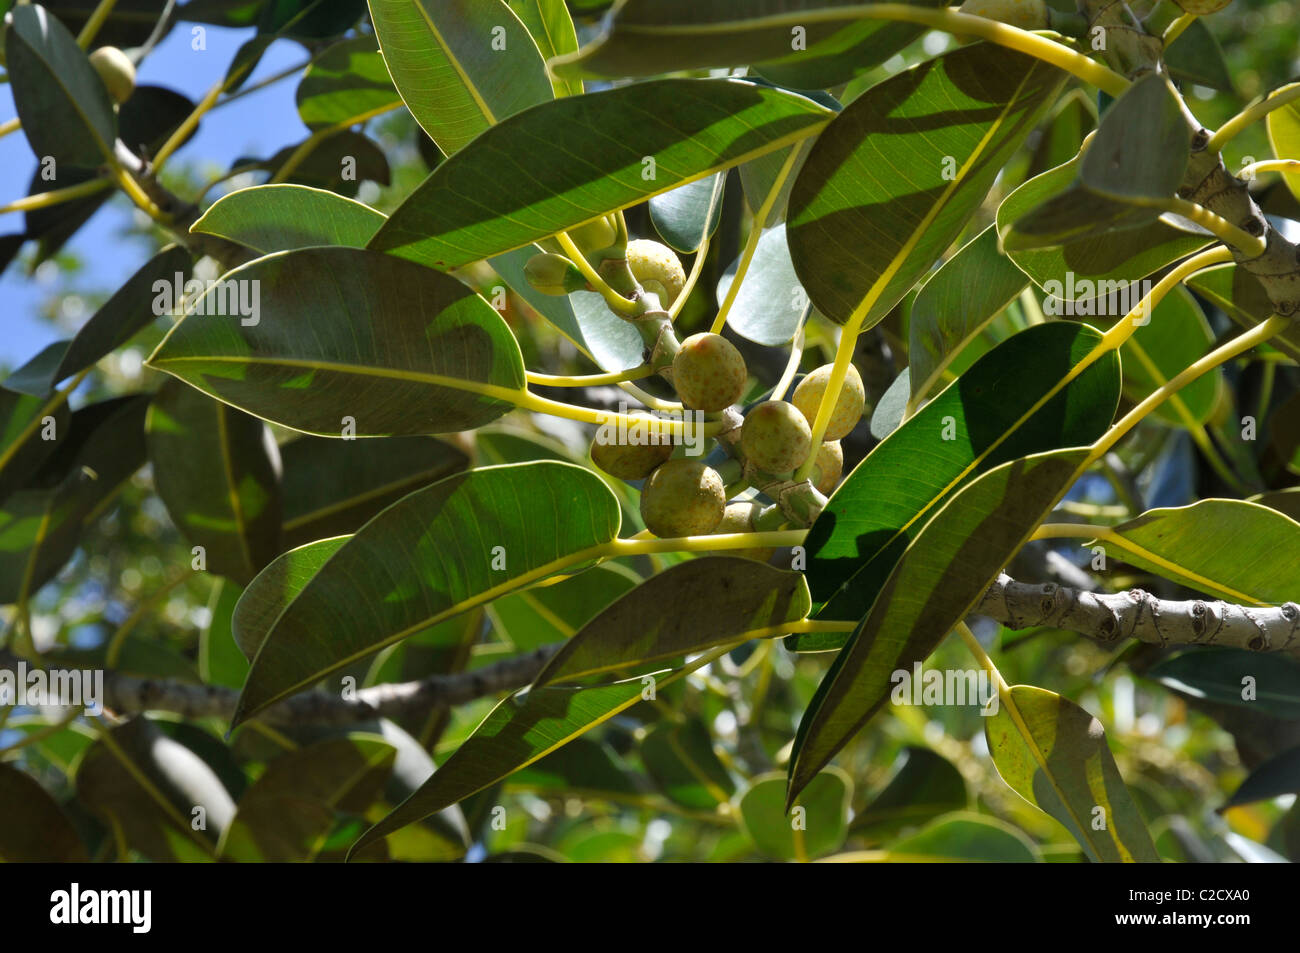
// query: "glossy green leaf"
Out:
[771,303]
[1073,270]
[522,729]
[649,37]
[660,618]
[964,837]
[939,578]
[582,317]
[519,181]
[287,812]
[275,587]
[339,163]
[1198,58]
[435,553]
[33,828]
[1074,116]
[395,348]
[894,178]
[819,828]
[1054,755]
[148,786]
[1264,683]
[925,786]
[1236,551]
[956,304]
[888,414]
[552,29]
[681,760]
[1176,335]
[1242,297]
[272,218]
[1142,145]
[1277,776]
[545,614]
[332,487]
[887,500]
[218,473]
[220,661]
[582,768]
[64,108]
[346,85]
[460,65]
[688,214]
[40,526]
[1283,126]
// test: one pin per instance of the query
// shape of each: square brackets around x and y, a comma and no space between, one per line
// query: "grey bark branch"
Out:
[1136,614]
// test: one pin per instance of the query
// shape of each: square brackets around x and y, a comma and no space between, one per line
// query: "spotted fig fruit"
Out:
[775,438]
[739,518]
[829,467]
[116,70]
[709,373]
[629,461]
[657,269]
[553,275]
[683,498]
[1026,14]
[848,409]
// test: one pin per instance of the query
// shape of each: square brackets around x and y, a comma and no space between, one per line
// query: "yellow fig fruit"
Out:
[848,409]
[829,467]
[657,269]
[553,274]
[775,437]
[709,373]
[116,70]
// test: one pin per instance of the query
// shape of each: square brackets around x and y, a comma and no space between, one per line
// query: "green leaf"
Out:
[332,487]
[924,786]
[1176,335]
[328,159]
[281,217]
[1075,115]
[887,500]
[1084,263]
[1242,297]
[218,473]
[274,588]
[436,358]
[347,85]
[1053,754]
[460,65]
[520,730]
[286,814]
[570,161]
[649,37]
[1198,58]
[892,407]
[435,553]
[681,760]
[659,619]
[61,101]
[895,177]
[1224,675]
[220,661]
[33,828]
[34,377]
[1236,551]
[582,768]
[688,214]
[544,614]
[771,304]
[939,578]
[1283,126]
[551,28]
[965,837]
[956,304]
[1286,502]
[1142,145]
[1278,775]
[582,317]
[147,785]
[819,829]
[40,526]
[22,450]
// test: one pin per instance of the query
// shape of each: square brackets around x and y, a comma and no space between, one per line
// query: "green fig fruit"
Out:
[554,275]
[629,461]
[848,409]
[683,498]
[709,373]
[116,70]
[775,437]
[739,518]
[829,467]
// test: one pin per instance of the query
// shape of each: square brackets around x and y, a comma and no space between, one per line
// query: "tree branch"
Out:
[1136,614]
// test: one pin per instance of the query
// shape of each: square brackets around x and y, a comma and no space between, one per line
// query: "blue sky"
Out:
[258,124]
